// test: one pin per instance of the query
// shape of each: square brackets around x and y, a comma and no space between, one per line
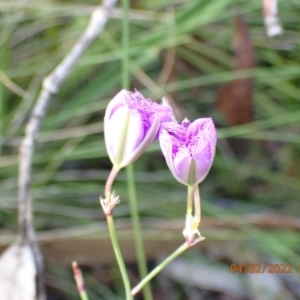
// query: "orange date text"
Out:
[261,268]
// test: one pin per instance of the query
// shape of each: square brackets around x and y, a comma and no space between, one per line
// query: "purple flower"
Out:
[131,123]
[189,149]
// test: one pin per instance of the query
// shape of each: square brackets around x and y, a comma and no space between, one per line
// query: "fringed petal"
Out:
[203,159]
[189,149]
[144,144]
[205,126]
[131,123]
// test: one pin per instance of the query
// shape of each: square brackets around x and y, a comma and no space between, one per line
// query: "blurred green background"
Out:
[210,58]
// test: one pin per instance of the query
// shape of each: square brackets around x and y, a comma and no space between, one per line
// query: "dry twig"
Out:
[271,19]
[51,86]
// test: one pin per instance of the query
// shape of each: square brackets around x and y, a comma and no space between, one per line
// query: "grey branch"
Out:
[271,19]
[51,86]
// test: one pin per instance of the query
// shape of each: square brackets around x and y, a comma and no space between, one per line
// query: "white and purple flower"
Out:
[189,149]
[131,124]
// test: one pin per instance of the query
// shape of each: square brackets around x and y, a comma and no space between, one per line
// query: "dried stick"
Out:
[51,86]
[79,281]
[271,19]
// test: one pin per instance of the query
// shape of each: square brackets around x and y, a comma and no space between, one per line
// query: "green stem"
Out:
[113,237]
[83,296]
[157,269]
[190,199]
[197,205]
[4,58]
[142,264]
[139,247]
[125,44]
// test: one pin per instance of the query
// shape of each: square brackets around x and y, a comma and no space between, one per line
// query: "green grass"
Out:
[71,164]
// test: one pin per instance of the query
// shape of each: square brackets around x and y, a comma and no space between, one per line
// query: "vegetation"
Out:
[182,50]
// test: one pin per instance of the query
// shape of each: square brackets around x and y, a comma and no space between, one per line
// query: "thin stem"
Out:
[190,198]
[112,176]
[158,268]
[142,264]
[79,281]
[163,264]
[3,93]
[125,44]
[113,237]
[139,247]
[191,224]
[197,205]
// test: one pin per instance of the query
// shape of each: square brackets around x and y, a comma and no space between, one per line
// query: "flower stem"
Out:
[113,237]
[163,264]
[112,176]
[197,205]
[139,247]
[190,199]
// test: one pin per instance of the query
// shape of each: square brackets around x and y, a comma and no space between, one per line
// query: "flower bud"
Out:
[189,149]
[131,124]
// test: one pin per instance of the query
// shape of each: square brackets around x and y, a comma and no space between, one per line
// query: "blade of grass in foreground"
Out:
[141,258]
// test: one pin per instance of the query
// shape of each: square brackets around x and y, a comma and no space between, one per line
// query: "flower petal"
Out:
[170,161]
[124,131]
[164,139]
[131,123]
[169,147]
[135,134]
[205,125]
[189,149]
[175,130]
[165,102]
[182,164]
[186,122]
[147,140]
[116,102]
[165,113]
[203,159]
